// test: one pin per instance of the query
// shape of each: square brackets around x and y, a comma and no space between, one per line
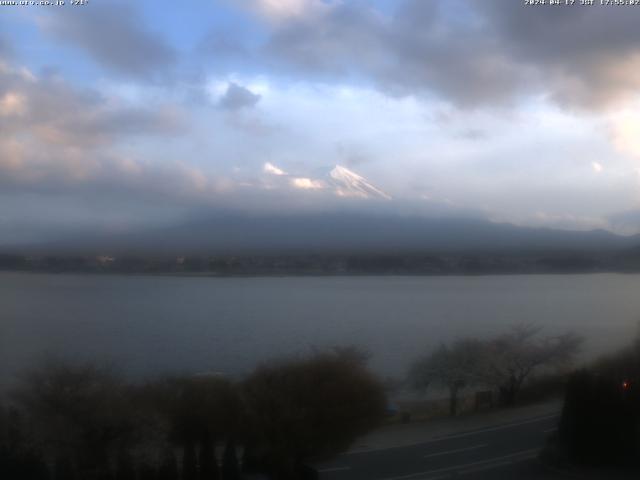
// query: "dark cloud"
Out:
[237,97]
[416,50]
[63,115]
[115,37]
[55,138]
[583,56]
[472,53]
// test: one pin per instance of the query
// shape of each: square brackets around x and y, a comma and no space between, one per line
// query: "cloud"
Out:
[285,180]
[304,183]
[470,53]
[353,155]
[566,221]
[6,47]
[324,82]
[115,37]
[238,97]
[281,10]
[625,131]
[12,104]
[51,111]
[56,139]
[114,147]
[473,134]
[625,222]
[413,51]
[273,170]
[587,57]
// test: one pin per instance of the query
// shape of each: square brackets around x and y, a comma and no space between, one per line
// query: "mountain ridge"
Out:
[241,233]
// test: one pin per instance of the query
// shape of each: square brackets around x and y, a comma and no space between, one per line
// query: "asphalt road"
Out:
[497,452]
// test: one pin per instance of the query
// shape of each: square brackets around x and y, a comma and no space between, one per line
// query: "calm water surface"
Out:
[153,324]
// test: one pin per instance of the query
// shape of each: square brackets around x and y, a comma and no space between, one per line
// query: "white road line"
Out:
[447,437]
[508,460]
[334,469]
[493,429]
[485,467]
[447,452]
[488,463]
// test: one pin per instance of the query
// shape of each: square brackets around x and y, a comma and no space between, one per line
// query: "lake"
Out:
[151,324]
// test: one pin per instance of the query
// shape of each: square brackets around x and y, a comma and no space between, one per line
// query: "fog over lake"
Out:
[151,324]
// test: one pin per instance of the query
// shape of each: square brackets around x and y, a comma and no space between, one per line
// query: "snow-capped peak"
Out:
[338,180]
[349,184]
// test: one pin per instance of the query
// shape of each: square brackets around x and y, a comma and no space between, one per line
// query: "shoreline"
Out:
[315,274]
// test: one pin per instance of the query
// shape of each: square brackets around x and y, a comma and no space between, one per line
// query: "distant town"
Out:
[478,263]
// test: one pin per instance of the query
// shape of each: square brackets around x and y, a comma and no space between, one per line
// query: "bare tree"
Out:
[454,367]
[505,362]
[512,357]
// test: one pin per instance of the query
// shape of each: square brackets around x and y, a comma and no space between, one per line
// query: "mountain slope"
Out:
[235,233]
[349,184]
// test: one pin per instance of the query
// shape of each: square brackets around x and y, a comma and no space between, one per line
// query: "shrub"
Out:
[308,409]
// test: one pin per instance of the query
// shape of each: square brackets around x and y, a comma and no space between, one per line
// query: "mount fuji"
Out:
[338,180]
[346,183]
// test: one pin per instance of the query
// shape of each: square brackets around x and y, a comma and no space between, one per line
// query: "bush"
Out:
[308,409]
[81,414]
[19,456]
[85,422]
[599,423]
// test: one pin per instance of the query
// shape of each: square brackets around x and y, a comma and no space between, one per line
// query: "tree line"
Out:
[600,421]
[502,363]
[83,422]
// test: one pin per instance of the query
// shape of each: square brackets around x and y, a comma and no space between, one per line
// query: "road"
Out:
[500,451]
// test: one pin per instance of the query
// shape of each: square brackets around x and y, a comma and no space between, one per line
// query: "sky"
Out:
[117,114]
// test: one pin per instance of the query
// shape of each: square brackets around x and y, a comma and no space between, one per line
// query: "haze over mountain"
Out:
[236,233]
[362,219]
